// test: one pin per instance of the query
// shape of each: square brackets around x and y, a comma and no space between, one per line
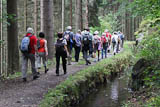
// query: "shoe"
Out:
[88,62]
[65,72]
[38,73]
[35,77]
[69,64]
[46,71]
[24,79]
[114,53]
[57,74]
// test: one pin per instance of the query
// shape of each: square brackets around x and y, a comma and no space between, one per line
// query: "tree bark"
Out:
[25,15]
[42,17]
[13,53]
[62,15]
[0,37]
[78,14]
[35,17]
[48,25]
[70,12]
[86,16]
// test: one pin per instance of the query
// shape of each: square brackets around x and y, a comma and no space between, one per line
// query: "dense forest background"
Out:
[52,16]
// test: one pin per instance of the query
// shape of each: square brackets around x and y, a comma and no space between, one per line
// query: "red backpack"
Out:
[104,39]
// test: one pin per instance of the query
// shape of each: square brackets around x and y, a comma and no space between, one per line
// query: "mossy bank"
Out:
[76,87]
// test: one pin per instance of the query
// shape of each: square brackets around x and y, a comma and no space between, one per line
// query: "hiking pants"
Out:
[104,50]
[77,52]
[58,56]
[42,55]
[25,58]
[70,54]
[117,48]
[122,42]
[85,54]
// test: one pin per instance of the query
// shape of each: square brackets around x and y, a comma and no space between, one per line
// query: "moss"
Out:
[76,87]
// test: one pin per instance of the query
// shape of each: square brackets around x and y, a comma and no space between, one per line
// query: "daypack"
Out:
[85,40]
[24,47]
[39,43]
[113,40]
[59,46]
[104,39]
[67,36]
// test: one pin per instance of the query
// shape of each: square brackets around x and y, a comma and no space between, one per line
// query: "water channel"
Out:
[112,94]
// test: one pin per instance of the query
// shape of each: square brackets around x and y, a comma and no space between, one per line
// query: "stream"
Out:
[111,94]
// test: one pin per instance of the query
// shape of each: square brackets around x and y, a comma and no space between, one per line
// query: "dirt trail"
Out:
[15,93]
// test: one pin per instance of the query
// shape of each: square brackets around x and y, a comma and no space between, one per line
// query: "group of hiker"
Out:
[35,49]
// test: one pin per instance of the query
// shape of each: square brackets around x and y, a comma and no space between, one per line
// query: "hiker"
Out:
[85,46]
[109,36]
[77,39]
[97,44]
[61,52]
[42,51]
[121,38]
[29,50]
[104,43]
[114,42]
[68,35]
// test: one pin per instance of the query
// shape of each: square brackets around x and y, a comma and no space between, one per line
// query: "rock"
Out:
[138,73]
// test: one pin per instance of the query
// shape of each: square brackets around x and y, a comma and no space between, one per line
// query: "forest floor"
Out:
[15,93]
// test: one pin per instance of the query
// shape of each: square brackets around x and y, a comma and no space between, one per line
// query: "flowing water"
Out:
[111,94]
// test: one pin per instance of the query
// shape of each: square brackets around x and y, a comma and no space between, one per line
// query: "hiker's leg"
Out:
[32,59]
[38,61]
[102,53]
[64,64]
[78,52]
[57,63]
[24,66]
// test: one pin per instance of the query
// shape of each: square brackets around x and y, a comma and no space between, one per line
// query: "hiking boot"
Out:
[46,71]
[65,72]
[88,62]
[35,77]
[24,79]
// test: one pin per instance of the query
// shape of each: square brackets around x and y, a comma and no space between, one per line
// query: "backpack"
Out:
[113,40]
[59,46]
[68,38]
[85,40]
[24,47]
[38,44]
[104,39]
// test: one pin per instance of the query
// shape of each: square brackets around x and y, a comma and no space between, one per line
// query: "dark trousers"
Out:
[85,54]
[58,56]
[77,52]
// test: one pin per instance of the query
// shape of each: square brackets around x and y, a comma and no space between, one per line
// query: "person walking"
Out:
[68,35]
[97,43]
[104,43]
[29,50]
[77,39]
[85,46]
[42,51]
[61,52]
[114,42]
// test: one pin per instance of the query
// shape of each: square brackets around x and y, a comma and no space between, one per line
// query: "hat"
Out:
[69,28]
[96,32]
[29,30]
[104,34]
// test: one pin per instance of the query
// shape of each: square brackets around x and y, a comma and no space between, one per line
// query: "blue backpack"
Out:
[24,47]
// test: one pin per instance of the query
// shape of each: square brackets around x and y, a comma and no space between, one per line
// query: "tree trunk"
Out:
[86,16]
[78,15]
[62,15]
[13,53]
[42,22]
[35,17]
[81,15]
[25,15]
[48,25]
[0,38]
[70,12]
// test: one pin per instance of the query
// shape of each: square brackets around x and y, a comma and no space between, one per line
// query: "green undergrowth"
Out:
[76,87]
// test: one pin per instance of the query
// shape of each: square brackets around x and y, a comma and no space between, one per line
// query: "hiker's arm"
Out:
[45,47]
[65,47]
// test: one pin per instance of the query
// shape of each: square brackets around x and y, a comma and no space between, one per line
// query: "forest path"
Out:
[15,93]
